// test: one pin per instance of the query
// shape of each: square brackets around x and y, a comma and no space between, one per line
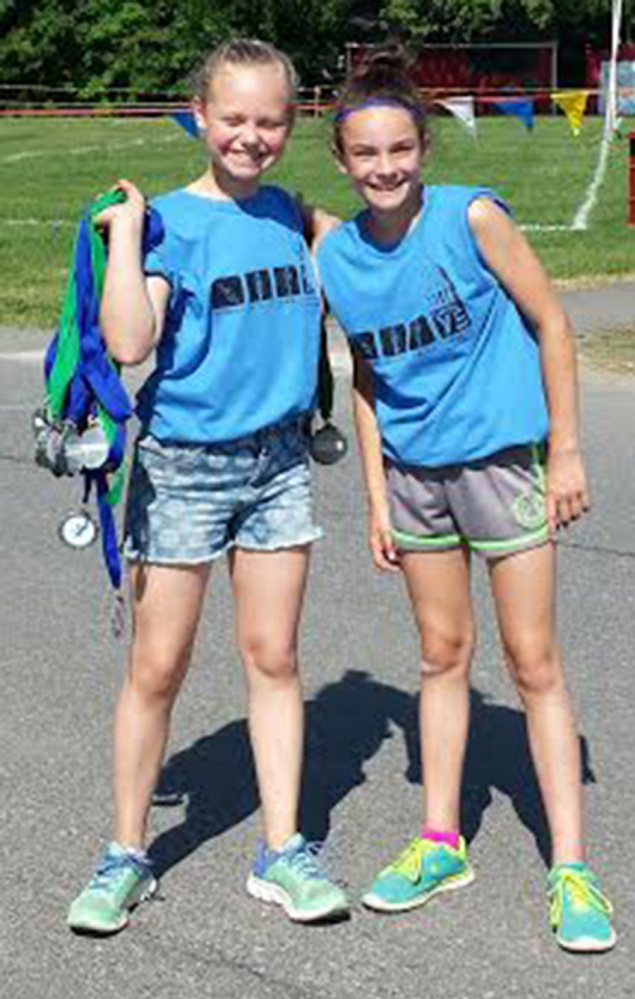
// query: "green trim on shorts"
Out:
[437,540]
[509,546]
[427,542]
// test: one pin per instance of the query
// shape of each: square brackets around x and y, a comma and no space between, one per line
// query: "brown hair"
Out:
[243,52]
[383,76]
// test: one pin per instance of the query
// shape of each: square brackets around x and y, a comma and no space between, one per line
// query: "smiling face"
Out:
[382,152]
[245,121]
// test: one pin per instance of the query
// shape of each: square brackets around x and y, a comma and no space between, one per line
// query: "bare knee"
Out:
[157,672]
[446,653]
[268,660]
[535,667]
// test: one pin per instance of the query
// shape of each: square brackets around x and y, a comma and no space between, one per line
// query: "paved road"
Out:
[598,310]
[205,937]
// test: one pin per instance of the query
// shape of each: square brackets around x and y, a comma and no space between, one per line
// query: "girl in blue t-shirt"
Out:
[229,303]
[465,401]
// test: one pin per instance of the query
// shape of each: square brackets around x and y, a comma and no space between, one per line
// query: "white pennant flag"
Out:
[463,109]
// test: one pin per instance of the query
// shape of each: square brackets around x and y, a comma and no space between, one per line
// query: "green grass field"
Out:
[50,169]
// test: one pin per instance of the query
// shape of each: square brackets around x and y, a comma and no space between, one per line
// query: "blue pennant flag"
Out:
[187,121]
[523,109]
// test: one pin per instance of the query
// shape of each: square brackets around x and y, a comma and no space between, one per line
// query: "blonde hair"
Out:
[244,52]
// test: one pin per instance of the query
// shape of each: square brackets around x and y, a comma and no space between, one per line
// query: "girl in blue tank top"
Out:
[465,401]
[229,301]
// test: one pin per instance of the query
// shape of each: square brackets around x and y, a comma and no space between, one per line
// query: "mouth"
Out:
[247,157]
[388,188]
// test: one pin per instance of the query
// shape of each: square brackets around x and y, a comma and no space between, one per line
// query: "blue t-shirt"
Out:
[240,346]
[456,368]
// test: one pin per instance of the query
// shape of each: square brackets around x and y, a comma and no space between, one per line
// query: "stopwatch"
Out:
[78,530]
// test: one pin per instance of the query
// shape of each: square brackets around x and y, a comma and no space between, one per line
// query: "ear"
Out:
[199,112]
[339,159]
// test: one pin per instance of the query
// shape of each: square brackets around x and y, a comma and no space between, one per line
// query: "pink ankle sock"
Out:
[450,838]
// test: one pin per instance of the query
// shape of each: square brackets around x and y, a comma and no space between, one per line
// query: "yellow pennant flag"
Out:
[573,104]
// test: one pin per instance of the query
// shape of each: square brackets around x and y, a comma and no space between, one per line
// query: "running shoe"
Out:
[580,914]
[422,870]
[120,881]
[295,878]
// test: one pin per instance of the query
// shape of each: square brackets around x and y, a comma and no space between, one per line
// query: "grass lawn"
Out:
[51,168]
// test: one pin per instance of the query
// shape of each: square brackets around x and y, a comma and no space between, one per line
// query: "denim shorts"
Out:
[189,503]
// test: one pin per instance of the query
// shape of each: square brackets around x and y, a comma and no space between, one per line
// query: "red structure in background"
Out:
[495,69]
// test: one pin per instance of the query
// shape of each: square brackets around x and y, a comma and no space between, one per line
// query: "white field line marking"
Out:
[538,227]
[104,147]
[579,224]
[581,218]
[51,222]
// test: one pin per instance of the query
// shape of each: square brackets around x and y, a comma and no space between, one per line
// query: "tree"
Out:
[153,46]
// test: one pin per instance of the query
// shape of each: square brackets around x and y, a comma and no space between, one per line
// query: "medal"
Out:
[78,530]
[327,445]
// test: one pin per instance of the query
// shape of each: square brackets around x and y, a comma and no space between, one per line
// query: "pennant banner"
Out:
[523,109]
[574,105]
[186,120]
[463,109]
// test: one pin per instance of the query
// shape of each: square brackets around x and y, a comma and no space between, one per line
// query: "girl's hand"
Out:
[381,542]
[131,210]
[567,491]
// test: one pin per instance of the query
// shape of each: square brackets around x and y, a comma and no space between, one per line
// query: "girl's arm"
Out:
[316,222]
[509,255]
[380,537]
[133,305]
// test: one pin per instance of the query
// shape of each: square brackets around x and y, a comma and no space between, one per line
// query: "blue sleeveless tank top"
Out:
[240,347]
[456,368]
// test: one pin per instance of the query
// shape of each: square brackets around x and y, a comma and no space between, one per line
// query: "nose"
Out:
[385,166]
[249,134]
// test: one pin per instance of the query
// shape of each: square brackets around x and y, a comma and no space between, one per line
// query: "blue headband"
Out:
[379,102]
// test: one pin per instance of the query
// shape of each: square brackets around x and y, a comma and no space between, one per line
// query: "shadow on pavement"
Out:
[346,724]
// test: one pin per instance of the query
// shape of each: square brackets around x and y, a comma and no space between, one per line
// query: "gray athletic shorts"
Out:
[495,506]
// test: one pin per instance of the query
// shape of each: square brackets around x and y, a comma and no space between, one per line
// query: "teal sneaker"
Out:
[580,914]
[295,879]
[422,870]
[120,881]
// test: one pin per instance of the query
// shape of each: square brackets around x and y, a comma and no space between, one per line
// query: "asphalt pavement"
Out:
[205,937]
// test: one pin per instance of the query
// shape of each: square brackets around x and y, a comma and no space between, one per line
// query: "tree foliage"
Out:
[471,20]
[148,47]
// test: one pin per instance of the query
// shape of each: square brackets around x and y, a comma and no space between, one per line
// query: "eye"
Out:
[272,124]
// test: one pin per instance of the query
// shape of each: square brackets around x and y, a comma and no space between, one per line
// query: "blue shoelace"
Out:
[111,866]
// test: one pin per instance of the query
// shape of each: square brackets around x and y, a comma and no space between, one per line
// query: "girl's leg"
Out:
[439,588]
[523,587]
[167,602]
[438,585]
[268,591]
